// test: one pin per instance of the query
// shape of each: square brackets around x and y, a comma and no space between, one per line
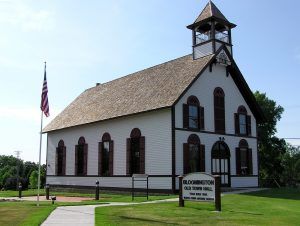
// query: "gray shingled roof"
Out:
[210,10]
[153,88]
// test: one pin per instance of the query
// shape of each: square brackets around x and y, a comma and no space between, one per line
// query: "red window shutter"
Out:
[128,156]
[202,123]
[237,123]
[142,155]
[186,159]
[85,159]
[64,161]
[238,161]
[76,160]
[56,162]
[100,158]
[202,158]
[111,158]
[250,164]
[185,114]
[248,125]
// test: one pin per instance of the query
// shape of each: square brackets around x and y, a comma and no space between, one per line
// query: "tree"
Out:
[33,179]
[291,163]
[271,148]
[9,175]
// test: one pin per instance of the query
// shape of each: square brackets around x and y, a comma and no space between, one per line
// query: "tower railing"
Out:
[222,37]
[203,37]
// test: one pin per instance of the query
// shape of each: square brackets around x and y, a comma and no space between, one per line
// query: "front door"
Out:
[221,162]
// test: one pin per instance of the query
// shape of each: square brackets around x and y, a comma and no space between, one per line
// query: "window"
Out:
[242,122]
[60,159]
[219,110]
[81,151]
[193,114]
[243,159]
[105,156]
[193,155]
[135,153]
[193,117]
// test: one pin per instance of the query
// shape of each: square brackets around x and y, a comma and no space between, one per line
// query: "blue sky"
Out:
[85,42]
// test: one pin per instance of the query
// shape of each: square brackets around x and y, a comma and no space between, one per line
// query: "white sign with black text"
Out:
[198,187]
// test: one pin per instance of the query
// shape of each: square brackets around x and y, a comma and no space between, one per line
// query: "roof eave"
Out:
[245,89]
[212,18]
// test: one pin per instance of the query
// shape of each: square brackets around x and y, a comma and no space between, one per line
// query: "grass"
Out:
[30,192]
[24,213]
[270,207]
[104,197]
[27,213]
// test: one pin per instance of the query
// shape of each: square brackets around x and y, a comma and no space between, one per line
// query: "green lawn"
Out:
[105,197]
[24,213]
[271,207]
[30,192]
[27,213]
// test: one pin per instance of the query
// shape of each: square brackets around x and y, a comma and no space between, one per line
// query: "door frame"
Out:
[222,156]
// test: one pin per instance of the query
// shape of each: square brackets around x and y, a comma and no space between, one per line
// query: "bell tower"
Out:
[210,30]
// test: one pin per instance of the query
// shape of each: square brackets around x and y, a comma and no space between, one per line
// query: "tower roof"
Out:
[211,11]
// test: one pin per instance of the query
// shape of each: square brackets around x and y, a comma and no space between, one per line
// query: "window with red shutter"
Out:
[106,156]
[242,122]
[243,159]
[193,155]
[60,163]
[193,114]
[219,110]
[81,157]
[135,153]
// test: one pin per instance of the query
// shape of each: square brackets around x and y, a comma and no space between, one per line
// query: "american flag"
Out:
[44,102]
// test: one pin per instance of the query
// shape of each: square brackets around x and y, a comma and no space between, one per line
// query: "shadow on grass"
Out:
[147,220]
[278,193]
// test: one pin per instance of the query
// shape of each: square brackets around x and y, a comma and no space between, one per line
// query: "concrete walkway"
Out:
[85,215]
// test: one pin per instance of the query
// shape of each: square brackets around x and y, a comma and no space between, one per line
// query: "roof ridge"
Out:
[157,65]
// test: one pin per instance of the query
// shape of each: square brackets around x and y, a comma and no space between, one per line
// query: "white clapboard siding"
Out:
[203,50]
[114,182]
[203,89]
[219,44]
[155,126]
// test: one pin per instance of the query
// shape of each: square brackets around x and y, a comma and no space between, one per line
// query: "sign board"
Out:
[198,187]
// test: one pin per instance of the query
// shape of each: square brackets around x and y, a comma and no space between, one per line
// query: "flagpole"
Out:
[41,136]
[39,172]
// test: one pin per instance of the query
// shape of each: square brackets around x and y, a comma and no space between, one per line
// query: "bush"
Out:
[33,179]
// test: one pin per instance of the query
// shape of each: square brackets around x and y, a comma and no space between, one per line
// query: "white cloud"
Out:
[20,14]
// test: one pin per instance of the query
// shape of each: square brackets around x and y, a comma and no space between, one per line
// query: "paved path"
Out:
[85,215]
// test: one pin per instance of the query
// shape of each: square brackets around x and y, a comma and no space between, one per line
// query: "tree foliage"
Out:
[291,165]
[33,179]
[271,148]
[9,168]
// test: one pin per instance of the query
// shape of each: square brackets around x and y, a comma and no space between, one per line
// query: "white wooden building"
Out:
[195,113]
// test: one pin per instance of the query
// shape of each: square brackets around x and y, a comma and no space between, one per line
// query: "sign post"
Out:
[200,187]
[218,193]
[181,201]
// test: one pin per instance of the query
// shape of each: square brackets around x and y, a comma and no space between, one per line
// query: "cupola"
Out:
[211,30]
